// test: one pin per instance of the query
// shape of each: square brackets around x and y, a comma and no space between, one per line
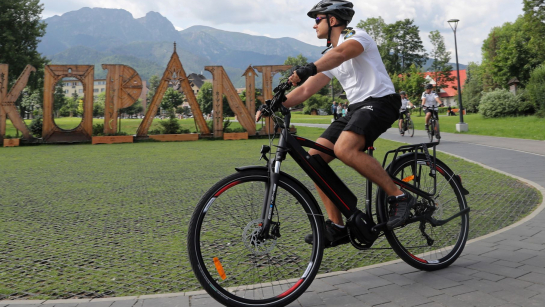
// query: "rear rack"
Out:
[416,149]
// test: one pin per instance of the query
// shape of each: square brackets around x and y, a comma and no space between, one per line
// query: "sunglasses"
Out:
[319,19]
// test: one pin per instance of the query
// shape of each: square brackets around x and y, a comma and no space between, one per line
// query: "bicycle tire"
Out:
[437,132]
[255,273]
[407,241]
[431,129]
[410,128]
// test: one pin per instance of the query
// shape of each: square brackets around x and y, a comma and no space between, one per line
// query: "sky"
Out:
[283,18]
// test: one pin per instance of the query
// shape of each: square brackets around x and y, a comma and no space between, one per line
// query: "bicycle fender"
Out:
[282,174]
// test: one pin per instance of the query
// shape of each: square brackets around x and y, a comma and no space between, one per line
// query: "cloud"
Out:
[287,18]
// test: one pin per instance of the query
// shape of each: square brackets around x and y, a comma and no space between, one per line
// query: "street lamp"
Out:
[460,127]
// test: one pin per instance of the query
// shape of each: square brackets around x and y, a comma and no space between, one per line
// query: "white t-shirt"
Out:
[365,75]
[404,103]
[430,99]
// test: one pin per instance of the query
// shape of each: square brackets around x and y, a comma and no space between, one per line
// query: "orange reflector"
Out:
[219,268]
[407,179]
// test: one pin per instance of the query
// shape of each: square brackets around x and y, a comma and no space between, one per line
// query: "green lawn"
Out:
[128,126]
[110,220]
[523,127]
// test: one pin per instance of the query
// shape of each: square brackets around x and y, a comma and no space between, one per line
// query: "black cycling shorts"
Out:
[369,118]
[402,114]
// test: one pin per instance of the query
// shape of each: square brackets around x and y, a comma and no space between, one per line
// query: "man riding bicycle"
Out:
[405,103]
[353,58]
[430,101]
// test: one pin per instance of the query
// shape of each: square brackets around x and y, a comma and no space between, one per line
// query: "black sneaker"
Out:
[427,127]
[334,235]
[400,207]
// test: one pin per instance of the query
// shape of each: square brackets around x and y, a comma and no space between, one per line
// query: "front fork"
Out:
[272,186]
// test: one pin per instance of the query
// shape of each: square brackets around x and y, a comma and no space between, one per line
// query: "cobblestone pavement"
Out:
[506,268]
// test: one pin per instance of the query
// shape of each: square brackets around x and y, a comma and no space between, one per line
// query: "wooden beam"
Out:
[7,100]
[123,87]
[250,90]
[268,72]
[217,99]
[51,133]
[174,76]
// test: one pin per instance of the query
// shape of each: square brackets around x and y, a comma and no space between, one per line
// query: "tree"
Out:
[31,99]
[99,104]
[404,46]
[258,102]
[399,44]
[440,67]
[473,88]
[535,8]
[299,60]
[412,82]
[59,100]
[171,100]
[153,84]
[205,98]
[536,89]
[134,109]
[21,27]
[512,50]
[376,28]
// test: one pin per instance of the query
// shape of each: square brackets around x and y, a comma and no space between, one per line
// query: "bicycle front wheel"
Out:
[229,259]
[410,128]
[437,132]
[431,130]
[447,241]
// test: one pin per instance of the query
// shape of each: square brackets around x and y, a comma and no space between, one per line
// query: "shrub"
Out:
[536,89]
[498,103]
[98,129]
[36,126]
[525,105]
[171,126]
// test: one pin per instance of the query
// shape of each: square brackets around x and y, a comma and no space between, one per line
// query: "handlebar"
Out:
[279,97]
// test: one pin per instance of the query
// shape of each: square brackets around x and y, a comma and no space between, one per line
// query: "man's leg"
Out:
[333,213]
[428,115]
[349,149]
[400,121]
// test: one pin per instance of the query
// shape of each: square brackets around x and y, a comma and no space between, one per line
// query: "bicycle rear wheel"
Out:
[449,240]
[236,267]
[410,128]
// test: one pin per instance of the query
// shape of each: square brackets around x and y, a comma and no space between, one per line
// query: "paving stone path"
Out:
[501,269]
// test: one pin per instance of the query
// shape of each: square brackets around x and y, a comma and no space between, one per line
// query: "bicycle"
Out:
[407,125]
[433,128]
[246,236]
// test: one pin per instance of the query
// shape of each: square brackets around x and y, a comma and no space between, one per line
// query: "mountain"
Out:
[113,36]
[100,36]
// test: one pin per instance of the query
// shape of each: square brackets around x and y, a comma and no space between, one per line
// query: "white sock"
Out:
[338,225]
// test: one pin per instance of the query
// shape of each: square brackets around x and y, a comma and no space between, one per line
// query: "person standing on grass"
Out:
[334,110]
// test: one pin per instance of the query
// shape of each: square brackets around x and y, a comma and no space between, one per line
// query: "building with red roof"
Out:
[448,93]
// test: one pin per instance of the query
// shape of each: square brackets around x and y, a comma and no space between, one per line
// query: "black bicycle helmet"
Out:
[429,87]
[339,8]
[402,93]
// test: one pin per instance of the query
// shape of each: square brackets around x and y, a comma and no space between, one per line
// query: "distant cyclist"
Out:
[430,101]
[405,103]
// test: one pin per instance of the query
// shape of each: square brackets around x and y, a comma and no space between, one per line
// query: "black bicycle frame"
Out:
[323,176]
